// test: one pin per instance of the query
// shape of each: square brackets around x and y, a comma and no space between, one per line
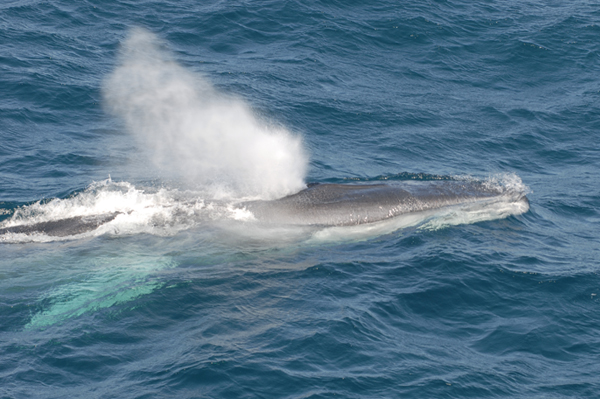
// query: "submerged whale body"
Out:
[327,205]
[63,227]
[354,204]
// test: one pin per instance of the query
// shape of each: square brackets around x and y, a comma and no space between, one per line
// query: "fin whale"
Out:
[354,204]
[326,205]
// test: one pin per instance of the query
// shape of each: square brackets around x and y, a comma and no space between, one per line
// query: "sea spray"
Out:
[196,133]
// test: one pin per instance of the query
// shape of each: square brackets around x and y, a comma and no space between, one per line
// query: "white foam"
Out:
[499,208]
[160,211]
[507,183]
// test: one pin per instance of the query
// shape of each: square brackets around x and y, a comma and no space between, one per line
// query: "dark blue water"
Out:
[179,101]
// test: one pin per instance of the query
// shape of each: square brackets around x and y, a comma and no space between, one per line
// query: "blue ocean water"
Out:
[152,107]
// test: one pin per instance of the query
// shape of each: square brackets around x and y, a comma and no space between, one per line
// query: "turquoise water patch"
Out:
[109,282]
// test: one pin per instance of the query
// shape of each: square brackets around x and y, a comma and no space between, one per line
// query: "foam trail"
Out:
[197,134]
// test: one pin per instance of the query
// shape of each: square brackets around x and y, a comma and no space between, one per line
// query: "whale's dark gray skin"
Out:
[353,204]
[63,227]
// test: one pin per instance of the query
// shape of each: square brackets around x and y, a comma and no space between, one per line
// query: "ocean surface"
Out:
[161,109]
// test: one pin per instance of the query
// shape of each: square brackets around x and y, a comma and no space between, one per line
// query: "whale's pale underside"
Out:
[326,205]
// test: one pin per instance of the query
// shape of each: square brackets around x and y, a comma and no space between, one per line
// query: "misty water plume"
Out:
[194,132]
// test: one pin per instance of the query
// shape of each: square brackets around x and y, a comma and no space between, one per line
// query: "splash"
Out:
[161,211]
[196,133]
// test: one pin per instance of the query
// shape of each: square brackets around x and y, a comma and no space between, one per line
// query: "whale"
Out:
[326,204]
[355,204]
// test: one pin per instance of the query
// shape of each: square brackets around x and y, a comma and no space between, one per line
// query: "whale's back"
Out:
[352,204]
